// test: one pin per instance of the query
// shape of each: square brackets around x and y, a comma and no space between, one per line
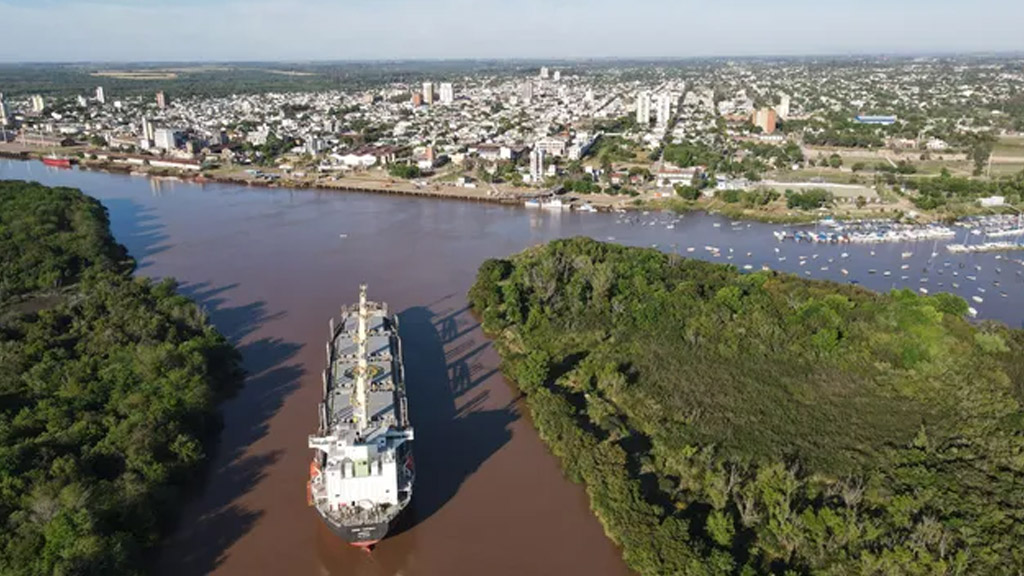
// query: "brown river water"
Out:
[272,266]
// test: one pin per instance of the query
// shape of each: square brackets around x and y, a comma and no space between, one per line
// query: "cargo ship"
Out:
[57,161]
[361,477]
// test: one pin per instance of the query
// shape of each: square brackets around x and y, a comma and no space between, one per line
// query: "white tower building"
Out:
[664,109]
[782,110]
[537,165]
[447,93]
[643,109]
[428,92]
[101,95]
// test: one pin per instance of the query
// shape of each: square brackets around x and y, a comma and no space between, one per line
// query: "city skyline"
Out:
[290,30]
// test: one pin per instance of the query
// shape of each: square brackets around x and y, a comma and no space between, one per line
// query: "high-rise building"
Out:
[544,73]
[101,95]
[664,109]
[5,114]
[764,118]
[447,93]
[643,109]
[537,165]
[557,75]
[527,92]
[147,130]
[428,92]
[38,104]
[783,108]
[161,100]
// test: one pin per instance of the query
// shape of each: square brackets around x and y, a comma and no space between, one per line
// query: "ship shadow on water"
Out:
[455,430]
[212,520]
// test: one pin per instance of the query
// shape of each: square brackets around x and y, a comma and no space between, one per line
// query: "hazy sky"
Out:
[136,30]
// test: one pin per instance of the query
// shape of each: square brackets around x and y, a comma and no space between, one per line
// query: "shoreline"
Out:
[602,203]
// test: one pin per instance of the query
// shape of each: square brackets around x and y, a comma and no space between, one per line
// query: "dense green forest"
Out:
[729,423]
[108,391]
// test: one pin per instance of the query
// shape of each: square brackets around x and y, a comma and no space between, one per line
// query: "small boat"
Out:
[532,203]
[887,273]
[923,291]
[905,267]
[977,299]
[907,255]
[845,272]
[342,236]
[972,311]
[871,271]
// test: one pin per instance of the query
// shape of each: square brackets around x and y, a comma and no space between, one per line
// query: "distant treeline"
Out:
[108,391]
[739,424]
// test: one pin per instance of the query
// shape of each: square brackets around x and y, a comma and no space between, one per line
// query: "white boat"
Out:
[972,311]
[907,255]
[554,204]
[977,299]
[923,291]
[845,272]
[532,203]
[586,208]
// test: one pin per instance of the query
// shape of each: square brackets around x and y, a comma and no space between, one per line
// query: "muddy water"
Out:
[271,266]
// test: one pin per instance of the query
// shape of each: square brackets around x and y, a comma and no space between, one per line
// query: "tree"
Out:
[835,161]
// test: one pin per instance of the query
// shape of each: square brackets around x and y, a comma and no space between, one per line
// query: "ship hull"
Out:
[363,535]
[57,162]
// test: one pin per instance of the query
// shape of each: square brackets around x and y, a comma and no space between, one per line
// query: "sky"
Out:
[300,30]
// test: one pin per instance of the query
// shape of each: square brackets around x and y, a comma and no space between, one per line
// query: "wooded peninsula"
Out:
[108,391]
[759,423]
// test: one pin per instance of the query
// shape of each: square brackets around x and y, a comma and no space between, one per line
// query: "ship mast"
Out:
[362,369]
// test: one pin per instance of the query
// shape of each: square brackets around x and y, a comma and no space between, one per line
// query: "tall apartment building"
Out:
[38,104]
[428,93]
[447,93]
[764,118]
[544,73]
[5,114]
[664,109]
[783,108]
[161,100]
[101,95]
[527,92]
[643,109]
[537,165]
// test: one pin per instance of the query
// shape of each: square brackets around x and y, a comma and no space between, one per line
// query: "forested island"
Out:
[730,423]
[108,391]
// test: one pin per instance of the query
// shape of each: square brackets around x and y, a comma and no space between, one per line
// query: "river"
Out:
[272,265]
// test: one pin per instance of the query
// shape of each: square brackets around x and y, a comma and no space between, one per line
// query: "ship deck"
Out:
[380,395]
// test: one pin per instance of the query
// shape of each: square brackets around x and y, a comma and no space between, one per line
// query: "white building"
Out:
[447,93]
[258,137]
[38,104]
[165,138]
[544,73]
[558,75]
[147,132]
[643,109]
[428,92]
[527,92]
[664,111]
[5,114]
[101,95]
[552,146]
[537,165]
[782,110]
[992,201]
